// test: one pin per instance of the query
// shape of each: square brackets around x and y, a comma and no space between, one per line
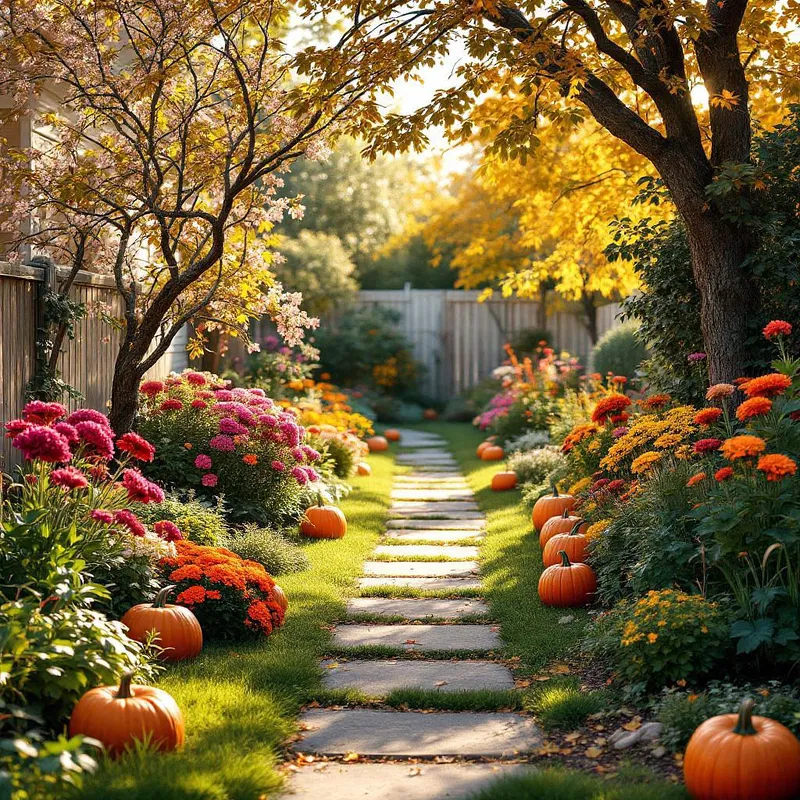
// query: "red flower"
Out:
[89,415]
[15,426]
[42,444]
[151,388]
[777,328]
[138,447]
[191,596]
[199,404]
[141,490]
[196,378]
[610,406]
[173,404]
[68,478]
[723,474]
[98,515]
[695,479]
[707,445]
[38,412]
[168,531]
[130,521]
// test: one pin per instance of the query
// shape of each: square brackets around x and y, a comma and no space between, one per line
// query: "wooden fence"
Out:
[87,361]
[460,341]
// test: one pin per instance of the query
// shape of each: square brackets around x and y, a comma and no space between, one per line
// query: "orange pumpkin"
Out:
[362,468]
[323,522]
[481,447]
[280,597]
[563,524]
[572,543]
[567,585]
[430,414]
[392,434]
[377,444]
[551,505]
[503,481]
[179,634]
[739,757]
[492,453]
[118,717]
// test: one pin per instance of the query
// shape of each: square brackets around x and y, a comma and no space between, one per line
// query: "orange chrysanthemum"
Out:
[777,327]
[251,459]
[609,407]
[776,466]
[191,596]
[754,407]
[745,446]
[655,401]
[695,479]
[720,390]
[723,474]
[707,416]
[767,385]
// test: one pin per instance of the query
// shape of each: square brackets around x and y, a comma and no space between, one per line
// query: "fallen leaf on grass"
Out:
[548,748]
[572,737]
[559,669]
[440,683]
[594,752]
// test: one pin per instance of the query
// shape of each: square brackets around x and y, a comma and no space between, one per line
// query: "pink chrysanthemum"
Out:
[96,439]
[38,412]
[278,466]
[135,445]
[168,531]
[130,521]
[141,490]
[209,479]
[89,415]
[203,461]
[151,388]
[223,443]
[196,378]
[68,478]
[42,444]
[99,515]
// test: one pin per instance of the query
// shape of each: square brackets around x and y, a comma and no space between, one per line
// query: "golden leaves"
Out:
[725,99]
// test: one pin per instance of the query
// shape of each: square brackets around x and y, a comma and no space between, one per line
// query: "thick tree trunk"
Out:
[590,316]
[124,395]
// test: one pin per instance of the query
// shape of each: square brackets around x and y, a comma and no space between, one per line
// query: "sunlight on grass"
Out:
[563,704]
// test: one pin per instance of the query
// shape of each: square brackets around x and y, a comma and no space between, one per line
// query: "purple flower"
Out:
[311,473]
[298,453]
[694,358]
[311,453]
[617,433]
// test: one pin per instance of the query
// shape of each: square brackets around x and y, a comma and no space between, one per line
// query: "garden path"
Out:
[420,624]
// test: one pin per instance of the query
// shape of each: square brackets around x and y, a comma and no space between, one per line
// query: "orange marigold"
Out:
[610,406]
[777,327]
[251,459]
[695,479]
[191,596]
[645,461]
[719,391]
[754,407]
[723,474]
[655,401]
[745,446]
[707,416]
[190,572]
[776,466]
[767,385]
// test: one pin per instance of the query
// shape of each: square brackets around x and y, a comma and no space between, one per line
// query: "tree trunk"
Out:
[590,316]
[124,395]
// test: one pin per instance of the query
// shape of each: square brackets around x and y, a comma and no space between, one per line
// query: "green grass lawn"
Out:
[241,701]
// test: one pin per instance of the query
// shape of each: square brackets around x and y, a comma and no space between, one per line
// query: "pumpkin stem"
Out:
[565,562]
[319,500]
[161,597]
[565,514]
[574,531]
[124,691]
[555,489]
[744,724]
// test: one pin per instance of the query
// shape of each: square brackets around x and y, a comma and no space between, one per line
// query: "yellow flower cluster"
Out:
[645,462]
[579,486]
[340,419]
[386,374]
[664,432]
[596,530]
[666,608]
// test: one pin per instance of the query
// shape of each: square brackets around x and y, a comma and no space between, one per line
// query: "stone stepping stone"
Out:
[417,609]
[378,678]
[370,732]
[441,495]
[432,475]
[473,522]
[336,781]
[433,535]
[419,638]
[439,506]
[453,517]
[434,483]
[454,584]
[421,569]
[434,550]
[428,457]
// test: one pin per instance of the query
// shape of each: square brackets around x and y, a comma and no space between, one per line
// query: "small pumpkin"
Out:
[323,522]
[481,447]
[430,414]
[377,444]
[119,716]
[551,505]
[493,453]
[280,597]
[572,543]
[178,633]
[563,524]
[504,481]
[392,434]
[739,757]
[567,585]
[362,468]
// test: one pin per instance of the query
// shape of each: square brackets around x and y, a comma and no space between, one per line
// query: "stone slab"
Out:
[336,781]
[434,535]
[378,678]
[419,638]
[471,523]
[432,550]
[431,474]
[434,483]
[421,569]
[426,457]
[446,512]
[453,584]
[431,494]
[370,732]
[417,609]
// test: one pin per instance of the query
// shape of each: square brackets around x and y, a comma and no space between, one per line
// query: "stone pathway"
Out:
[437,644]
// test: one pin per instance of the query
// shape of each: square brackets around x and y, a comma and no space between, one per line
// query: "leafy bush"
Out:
[664,637]
[273,368]
[682,710]
[563,704]
[532,440]
[274,551]
[619,351]
[532,340]
[534,466]
[232,598]
[235,442]
[199,521]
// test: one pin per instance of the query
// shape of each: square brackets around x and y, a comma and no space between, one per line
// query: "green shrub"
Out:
[532,440]
[563,704]
[534,466]
[664,637]
[274,551]
[528,342]
[199,522]
[620,351]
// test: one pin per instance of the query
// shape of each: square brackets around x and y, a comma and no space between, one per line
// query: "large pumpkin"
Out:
[566,584]
[551,505]
[280,597]
[120,716]
[362,468]
[178,633]
[572,543]
[430,414]
[481,447]
[392,434]
[742,757]
[323,522]
[377,444]
[504,481]
[555,525]
[493,453]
